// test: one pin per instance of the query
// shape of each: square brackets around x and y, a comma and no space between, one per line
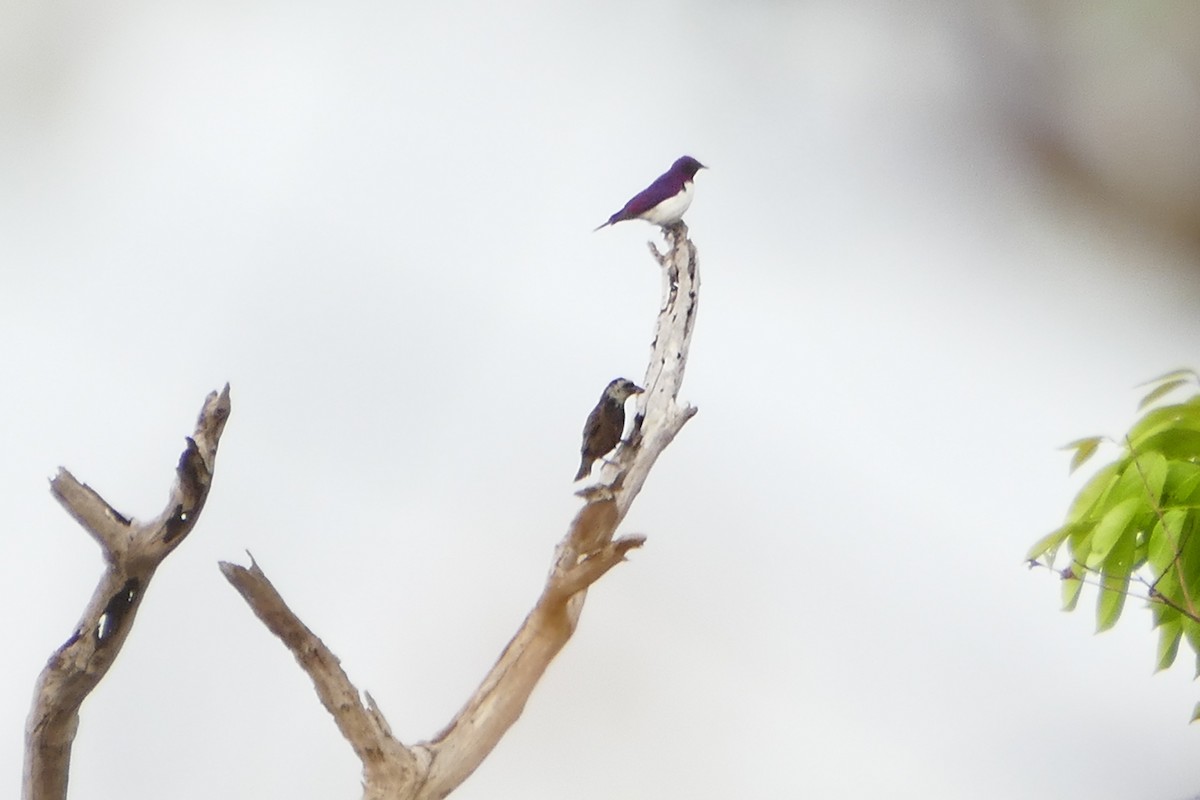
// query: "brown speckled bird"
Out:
[604,426]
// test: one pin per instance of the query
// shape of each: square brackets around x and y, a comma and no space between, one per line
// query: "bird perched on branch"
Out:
[604,426]
[664,201]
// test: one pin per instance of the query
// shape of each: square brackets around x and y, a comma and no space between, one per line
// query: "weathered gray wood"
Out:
[132,551]
[432,769]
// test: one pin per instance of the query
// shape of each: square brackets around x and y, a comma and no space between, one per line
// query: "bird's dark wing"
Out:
[587,450]
[663,187]
[601,432]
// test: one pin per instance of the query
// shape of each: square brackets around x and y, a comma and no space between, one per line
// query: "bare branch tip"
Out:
[224,404]
[215,412]
[624,544]
[596,492]
[62,476]
[233,571]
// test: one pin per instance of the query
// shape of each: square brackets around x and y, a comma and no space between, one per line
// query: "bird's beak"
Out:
[637,389]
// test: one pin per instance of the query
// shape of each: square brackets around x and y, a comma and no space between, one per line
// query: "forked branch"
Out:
[432,769]
[132,551]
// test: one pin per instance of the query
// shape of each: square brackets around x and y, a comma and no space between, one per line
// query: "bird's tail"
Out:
[586,466]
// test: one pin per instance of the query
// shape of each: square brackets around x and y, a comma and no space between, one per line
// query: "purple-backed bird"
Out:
[604,426]
[664,201]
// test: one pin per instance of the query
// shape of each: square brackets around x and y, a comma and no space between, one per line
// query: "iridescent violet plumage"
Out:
[664,201]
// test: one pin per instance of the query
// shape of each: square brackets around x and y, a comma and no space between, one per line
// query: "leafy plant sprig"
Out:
[1135,521]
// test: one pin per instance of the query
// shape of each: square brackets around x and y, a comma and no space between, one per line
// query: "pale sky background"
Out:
[937,242]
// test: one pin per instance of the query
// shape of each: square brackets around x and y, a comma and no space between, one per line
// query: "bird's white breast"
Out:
[671,210]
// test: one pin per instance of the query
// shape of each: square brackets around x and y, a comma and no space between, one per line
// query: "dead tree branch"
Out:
[431,770]
[132,551]
[388,766]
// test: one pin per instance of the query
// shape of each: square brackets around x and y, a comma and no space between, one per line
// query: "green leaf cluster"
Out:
[1135,520]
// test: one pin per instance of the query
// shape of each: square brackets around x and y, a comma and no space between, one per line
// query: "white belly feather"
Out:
[671,210]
